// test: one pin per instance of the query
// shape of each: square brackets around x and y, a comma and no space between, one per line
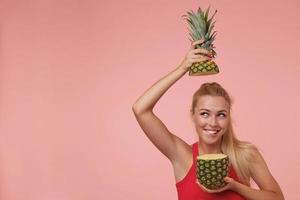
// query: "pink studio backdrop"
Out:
[70,71]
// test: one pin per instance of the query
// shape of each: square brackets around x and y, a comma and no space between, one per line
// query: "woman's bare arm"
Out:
[169,144]
[269,188]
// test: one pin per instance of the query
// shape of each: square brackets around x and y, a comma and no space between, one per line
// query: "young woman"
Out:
[210,112]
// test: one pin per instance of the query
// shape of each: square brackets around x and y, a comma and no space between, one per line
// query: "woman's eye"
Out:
[223,115]
[204,113]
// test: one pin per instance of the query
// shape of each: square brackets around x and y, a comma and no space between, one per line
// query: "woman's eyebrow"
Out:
[209,110]
[204,109]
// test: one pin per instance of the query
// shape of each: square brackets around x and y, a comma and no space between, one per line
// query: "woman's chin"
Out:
[211,141]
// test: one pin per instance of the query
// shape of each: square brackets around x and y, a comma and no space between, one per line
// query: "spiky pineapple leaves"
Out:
[201,27]
[196,25]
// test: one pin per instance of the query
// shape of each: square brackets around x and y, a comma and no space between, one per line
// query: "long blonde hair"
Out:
[240,152]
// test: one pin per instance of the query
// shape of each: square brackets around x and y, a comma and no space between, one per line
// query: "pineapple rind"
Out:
[203,68]
[211,173]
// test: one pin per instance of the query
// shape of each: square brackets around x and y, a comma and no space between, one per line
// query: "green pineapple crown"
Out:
[201,27]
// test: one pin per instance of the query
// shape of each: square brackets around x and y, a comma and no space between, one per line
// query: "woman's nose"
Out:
[213,121]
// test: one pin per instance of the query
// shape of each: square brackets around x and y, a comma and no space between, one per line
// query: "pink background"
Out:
[70,71]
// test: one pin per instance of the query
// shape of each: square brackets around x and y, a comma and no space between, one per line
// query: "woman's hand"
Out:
[229,186]
[195,55]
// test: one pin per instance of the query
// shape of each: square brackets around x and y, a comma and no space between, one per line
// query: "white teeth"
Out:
[211,131]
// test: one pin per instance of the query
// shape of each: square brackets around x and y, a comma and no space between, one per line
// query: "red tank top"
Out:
[188,189]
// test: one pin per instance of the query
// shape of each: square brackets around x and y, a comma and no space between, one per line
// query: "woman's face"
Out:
[211,118]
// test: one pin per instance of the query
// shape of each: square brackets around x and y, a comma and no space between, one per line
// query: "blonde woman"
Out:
[210,112]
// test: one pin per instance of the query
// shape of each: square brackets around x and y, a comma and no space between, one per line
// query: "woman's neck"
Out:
[206,149]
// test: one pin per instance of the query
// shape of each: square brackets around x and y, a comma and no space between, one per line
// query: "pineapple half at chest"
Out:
[211,170]
[201,27]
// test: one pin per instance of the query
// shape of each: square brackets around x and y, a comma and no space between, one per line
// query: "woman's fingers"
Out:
[199,57]
[200,41]
[189,60]
[202,51]
[196,55]
[203,58]
[201,54]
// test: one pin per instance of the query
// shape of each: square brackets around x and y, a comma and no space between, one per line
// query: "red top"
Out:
[188,189]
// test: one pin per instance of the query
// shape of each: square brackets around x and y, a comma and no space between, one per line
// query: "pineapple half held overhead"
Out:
[201,27]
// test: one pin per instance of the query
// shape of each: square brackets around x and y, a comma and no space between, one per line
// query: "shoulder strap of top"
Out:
[195,151]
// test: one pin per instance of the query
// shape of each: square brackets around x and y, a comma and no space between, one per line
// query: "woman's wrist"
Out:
[234,186]
[183,67]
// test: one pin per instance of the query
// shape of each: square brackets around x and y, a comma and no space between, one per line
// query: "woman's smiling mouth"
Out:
[211,132]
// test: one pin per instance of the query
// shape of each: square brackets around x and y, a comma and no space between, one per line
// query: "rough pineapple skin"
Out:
[211,173]
[203,68]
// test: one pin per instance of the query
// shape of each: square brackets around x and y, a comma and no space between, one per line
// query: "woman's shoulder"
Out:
[248,151]
[248,146]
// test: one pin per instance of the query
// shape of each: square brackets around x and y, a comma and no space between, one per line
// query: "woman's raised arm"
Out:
[169,144]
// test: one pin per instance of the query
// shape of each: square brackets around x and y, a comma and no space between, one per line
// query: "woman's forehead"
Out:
[213,103]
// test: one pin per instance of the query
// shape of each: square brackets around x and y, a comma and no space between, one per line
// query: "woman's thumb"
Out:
[228,179]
